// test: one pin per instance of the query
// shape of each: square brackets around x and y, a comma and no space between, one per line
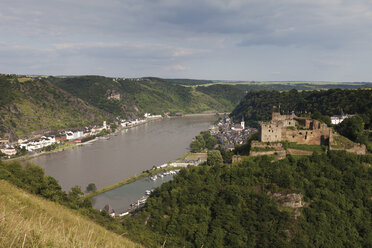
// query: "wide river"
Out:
[132,151]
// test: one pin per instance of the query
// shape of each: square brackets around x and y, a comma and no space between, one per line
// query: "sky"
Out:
[268,40]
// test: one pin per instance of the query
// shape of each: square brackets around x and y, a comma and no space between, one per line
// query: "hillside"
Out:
[258,105]
[30,221]
[142,95]
[32,105]
[309,201]
[280,85]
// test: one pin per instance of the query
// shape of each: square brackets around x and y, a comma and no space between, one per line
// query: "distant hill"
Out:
[30,221]
[31,105]
[258,105]
[142,95]
[284,85]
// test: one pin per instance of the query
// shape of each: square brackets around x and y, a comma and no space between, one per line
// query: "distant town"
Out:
[50,142]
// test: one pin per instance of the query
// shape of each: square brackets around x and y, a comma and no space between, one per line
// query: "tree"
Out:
[91,187]
[352,128]
[214,158]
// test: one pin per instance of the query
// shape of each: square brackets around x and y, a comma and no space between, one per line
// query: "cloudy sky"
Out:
[328,40]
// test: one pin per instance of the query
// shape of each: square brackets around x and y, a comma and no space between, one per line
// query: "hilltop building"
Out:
[337,119]
[302,130]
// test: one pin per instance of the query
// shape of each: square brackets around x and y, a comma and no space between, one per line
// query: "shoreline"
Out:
[143,174]
[203,114]
[74,145]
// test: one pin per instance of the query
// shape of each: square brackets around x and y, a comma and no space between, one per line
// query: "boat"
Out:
[154,178]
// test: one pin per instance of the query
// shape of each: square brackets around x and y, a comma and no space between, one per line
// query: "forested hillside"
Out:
[142,95]
[29,105]
[318,201]
[258,105]
[229,95]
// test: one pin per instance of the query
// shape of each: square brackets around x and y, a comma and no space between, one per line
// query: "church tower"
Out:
[242,123]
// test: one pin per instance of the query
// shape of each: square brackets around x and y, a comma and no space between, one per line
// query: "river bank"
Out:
[144,174]
[207,113]
[170,166]
[71,145]
[125,154]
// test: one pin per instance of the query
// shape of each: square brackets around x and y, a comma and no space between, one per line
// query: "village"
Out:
[51,141]
[229,134]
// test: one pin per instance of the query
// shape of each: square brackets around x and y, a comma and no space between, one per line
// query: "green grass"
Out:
[129,180]
[30,221]
[341,142]
[313,148]
[119,184]
[262,149]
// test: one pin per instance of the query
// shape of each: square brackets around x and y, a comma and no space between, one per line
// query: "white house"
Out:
[38,144]
[337,119]
[9,151]
[74,135]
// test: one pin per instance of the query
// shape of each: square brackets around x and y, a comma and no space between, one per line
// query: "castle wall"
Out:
[306,137]
[271,132]
[283,127]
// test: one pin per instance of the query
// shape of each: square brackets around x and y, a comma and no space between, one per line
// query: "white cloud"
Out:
[176,68]
[217,38]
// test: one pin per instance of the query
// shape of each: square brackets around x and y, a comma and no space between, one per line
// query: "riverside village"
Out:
[61,139]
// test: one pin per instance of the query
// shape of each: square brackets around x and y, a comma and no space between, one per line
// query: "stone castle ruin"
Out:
[302,130]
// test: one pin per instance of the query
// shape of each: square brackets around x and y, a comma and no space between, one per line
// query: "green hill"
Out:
[31,105]
[30,221]
[142,95]
[258,105]
[309,201]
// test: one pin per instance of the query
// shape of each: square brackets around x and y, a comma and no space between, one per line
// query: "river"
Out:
[132,151]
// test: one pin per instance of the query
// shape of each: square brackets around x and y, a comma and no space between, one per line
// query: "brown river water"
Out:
[130,152]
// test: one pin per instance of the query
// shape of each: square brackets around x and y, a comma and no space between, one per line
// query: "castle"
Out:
[302,130]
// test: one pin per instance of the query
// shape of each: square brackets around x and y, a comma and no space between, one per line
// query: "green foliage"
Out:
[229,206]
[258,105]
[294,145]
[245,148]
[38,105]
[352,128]
[214,158]
[262,149]
[154,95]
[91,187]
[113,127]
[323,118]
[229,94]
[226,155]
[50,148]
[32,179]
[203,141]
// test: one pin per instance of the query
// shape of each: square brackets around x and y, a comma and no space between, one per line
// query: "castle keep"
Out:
[302,130]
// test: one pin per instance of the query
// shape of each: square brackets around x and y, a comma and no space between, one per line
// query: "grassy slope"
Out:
[36,105]
[30,221]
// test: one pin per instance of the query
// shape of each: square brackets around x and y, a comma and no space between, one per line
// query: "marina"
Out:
[129,197]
